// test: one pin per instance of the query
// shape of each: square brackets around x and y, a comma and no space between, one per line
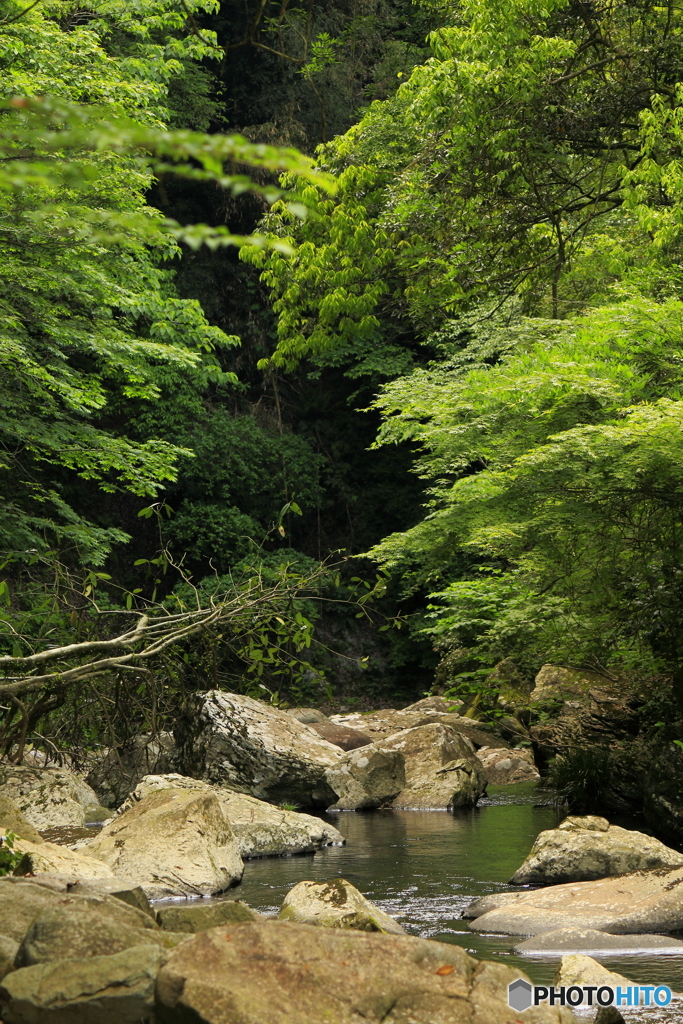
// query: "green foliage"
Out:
[9,857]
[581,778]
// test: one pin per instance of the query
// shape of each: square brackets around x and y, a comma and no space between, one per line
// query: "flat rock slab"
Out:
[645,901]
[116,989]
[588,940]
[582,849]
[283,973]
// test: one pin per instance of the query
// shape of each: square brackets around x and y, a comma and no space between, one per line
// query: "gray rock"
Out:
[442,769]
[13,820]
[646,901]
[577,969]
[280,973]
[200,916]
[341,736]
[47,796]
[174,842]
[307,716]
[335,904]
[554,683]
[261,829]
[588,940]
[9,948]
[504,767]
[81,929]
[116,989]
[366,778]
[608,1015]
[582,849]
[252,747]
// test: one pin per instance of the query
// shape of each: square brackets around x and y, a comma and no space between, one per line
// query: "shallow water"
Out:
[424,867]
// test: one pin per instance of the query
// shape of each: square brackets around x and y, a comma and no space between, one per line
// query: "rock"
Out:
[23,899]
[12,820]
[335,904]
[9,948]
[441,768]
[119,771]
[366,778]
[554,683]
[263,830]
[627,904]
[284,973]
[260,828]
[128,893]
[77,929]
[307,716]
[174,842]
[504,767]
[608,1015]
[588,940]
[47,796]
[116,989]
[341,736]
[201,916]
[49,858]
[252,747]
[380,724]
[573,853]
[583,970]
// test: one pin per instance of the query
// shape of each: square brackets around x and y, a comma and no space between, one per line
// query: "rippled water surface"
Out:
[424,867]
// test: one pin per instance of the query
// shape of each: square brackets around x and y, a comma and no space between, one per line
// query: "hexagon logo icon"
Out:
[519,995]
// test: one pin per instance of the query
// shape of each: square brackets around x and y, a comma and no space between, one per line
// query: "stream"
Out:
[424,867]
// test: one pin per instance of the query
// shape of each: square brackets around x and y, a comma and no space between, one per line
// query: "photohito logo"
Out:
[522,995]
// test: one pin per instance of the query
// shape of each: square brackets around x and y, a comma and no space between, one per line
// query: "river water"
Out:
[424,867]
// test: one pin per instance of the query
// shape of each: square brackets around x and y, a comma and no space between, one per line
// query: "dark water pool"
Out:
[424,867]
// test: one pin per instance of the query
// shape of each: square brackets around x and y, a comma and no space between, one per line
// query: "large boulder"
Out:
[504,767]
[81,928]
[252,747]
[22,900]
[557,684]
[47,797]
[580,970]
[582,849]
[13,820]
[588,940]
[118,771]
[366,778]
[51,859]
[174,842]
[335,904]
[645,901]
[441,767]
[378,725]
[282,973]
[117,989]
[261,829]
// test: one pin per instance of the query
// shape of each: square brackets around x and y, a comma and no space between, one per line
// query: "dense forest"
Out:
[341,356]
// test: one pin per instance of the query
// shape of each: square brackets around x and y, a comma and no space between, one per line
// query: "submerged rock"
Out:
[335,904]
[582,849]
[366,778]
[116,989]
[588,940]
[254,748]
[641,902]
[503,767]
[441,768]
[280,973]
[174,842]
[47,796]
